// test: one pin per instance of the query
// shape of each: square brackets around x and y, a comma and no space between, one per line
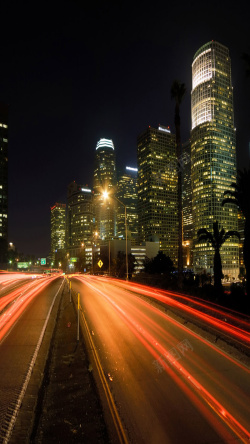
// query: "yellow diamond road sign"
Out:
[100,263]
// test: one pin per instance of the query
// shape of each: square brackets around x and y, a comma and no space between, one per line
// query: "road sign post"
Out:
[100,263]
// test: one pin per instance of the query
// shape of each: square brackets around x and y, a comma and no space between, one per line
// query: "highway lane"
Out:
[227,324]
[11,281]
[19,344]
[169,384]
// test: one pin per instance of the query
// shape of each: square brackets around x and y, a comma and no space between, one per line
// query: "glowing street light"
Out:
[105,195]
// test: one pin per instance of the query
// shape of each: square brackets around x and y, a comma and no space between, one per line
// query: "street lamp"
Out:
[105,195]
[94,237]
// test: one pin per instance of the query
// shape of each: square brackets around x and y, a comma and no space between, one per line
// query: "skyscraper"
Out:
[157,189]
[213,153]
[79,225]
[57,229]
[105,180]
[187,206]
[187,193]
[127,193]
[3,185]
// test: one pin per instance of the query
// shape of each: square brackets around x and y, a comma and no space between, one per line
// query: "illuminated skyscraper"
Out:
[79,229]
[187,206]
[187,193]
[127,193]
[105,180]
[3,185]
[157,189]
[241,227]
[213,153]
[57,228]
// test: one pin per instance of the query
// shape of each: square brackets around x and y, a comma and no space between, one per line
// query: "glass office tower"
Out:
[79,226]
[127,193]
[105,180]
[157,189]
[57,229]
[213,153]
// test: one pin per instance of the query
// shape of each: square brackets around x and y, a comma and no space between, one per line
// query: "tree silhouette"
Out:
[159,264]
[119,265]
[216,239]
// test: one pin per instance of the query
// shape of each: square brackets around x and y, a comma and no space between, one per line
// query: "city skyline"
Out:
[67,87]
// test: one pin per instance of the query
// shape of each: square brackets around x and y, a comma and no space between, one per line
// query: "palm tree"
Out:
[178,91]
[240,196]
[216,239]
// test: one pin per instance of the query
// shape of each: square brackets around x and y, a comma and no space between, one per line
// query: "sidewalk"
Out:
[68,409]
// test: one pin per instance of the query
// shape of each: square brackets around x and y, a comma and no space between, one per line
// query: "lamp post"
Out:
[105,195]
[95,234]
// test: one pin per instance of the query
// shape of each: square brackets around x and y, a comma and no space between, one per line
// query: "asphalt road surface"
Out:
[169,384]
[22,323]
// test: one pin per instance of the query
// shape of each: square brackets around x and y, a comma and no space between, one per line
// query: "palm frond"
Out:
[202,231]
[231,233]
[178,91]
[229,200]
[205,235]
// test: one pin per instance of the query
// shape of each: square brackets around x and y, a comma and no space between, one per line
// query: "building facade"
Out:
[187,206]
[79,227]
[127,193]
[157,189]
[241,231]
[140,252]
[57,230]
[3,185]
[105,180]
[213,153]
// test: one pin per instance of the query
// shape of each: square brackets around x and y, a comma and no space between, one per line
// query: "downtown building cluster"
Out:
[141,204]
[208,163]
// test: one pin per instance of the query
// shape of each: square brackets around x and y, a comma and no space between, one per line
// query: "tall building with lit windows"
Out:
[157,189]
[127,193]
[241,229]
[187,206]
[3,185]
[213,153]
[79,226]
[105,179]
[57,229]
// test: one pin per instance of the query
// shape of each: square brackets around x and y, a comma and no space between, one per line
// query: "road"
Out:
[168,383]
[25,307]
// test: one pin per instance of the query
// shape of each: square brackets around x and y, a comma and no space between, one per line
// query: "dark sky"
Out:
[73,72]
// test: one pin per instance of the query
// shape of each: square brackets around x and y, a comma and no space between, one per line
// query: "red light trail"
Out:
[153,336]
[14,304]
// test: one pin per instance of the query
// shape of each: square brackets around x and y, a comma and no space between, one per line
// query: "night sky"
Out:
[73,72]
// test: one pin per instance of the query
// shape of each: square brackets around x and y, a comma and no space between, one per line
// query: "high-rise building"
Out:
[127,193]
[187,205]
[241,231]
[57,229]
[79,226]
[187,192]
[3,185]
[105,180]
[213,153]
[157,189]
